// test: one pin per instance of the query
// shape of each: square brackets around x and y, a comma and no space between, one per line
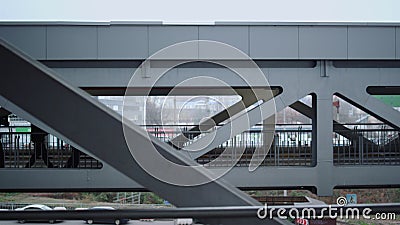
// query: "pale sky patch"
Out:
[202,11]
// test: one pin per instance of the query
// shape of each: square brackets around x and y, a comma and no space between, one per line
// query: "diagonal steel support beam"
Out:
[181,139]
[248,98]
[372,106]
[235,126]
[73,115]
[303,109]
[232,128]
[337,127]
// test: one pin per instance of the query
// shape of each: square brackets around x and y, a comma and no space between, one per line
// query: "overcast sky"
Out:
[202,11]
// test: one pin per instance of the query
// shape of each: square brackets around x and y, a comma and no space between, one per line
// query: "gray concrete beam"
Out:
[241,177]
[260,41]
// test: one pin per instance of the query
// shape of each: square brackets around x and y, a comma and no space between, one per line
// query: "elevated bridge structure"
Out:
[49,70]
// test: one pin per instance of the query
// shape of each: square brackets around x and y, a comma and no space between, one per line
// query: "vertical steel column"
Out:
[324,128]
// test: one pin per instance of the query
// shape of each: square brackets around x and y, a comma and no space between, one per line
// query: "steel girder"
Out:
[350,82]
[73,115]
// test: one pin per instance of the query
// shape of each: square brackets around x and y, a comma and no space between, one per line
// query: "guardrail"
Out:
[354,144]
[370,145]
[18,150]
[291,144]
[288,148]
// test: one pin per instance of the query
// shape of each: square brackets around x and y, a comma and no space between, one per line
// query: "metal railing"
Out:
[354,144]
[17,150]
[371,145]
[291,144]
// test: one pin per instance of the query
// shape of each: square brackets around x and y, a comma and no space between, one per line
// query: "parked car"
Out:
[116,221]
[60,208]
[35,207]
